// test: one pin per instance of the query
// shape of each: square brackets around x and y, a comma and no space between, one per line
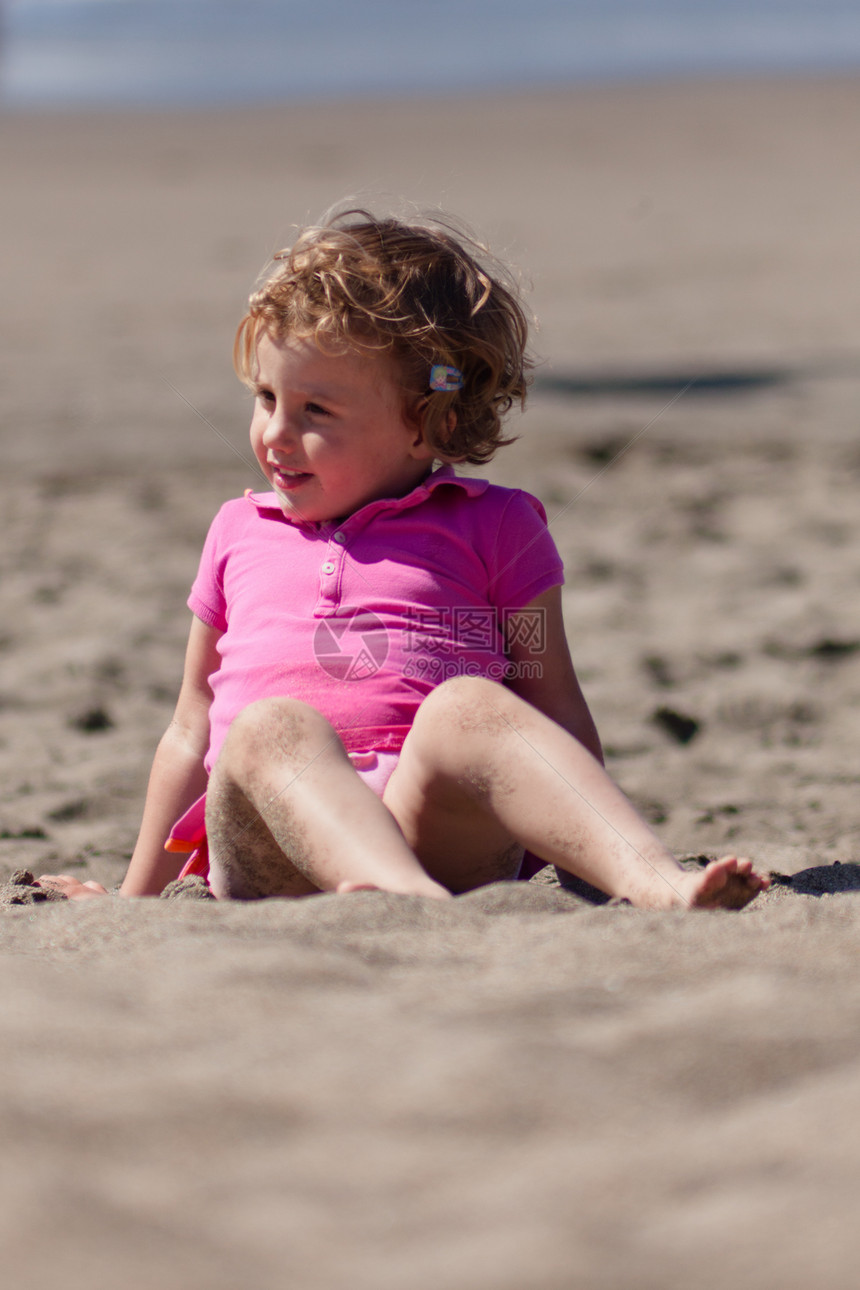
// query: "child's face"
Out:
[329,431]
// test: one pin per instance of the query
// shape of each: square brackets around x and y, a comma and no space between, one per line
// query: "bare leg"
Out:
[485,768]
[287,815]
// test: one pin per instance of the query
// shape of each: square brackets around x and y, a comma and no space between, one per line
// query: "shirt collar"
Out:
[443,475]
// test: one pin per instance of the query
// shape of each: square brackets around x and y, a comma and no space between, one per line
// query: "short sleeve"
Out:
[524,561]
[207,599]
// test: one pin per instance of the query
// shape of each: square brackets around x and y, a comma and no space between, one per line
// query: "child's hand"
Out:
[71,888]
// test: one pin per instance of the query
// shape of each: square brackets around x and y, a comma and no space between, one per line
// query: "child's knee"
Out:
[467,705]
[280,727]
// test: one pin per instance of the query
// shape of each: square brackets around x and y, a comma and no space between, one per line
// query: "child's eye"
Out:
[316,410]
[265,396]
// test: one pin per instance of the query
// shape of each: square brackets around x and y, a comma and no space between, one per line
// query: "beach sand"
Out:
[517,1089]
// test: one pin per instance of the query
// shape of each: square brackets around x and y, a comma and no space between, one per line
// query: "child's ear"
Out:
[415,415]
[420,451]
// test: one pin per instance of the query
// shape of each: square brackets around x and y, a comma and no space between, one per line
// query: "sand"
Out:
[518,1089]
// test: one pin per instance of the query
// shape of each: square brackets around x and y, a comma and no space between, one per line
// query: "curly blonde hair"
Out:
[414,292]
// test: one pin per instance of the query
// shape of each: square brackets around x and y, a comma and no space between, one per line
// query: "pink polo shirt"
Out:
[362,617]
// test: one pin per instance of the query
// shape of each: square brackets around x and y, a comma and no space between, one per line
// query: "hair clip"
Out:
[445,378]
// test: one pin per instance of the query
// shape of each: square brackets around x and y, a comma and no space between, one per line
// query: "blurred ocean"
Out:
[64,53]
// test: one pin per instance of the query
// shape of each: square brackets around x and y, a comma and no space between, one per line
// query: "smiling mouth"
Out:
[287,479]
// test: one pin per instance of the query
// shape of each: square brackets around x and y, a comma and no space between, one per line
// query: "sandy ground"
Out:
[519,1089]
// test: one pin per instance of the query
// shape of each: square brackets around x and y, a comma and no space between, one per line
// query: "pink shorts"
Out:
[188,834]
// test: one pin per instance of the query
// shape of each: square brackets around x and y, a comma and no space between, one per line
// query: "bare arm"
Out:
[176,780]
[177,777]
[546,678]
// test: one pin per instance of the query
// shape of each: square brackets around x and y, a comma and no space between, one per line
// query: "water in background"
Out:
[59,53]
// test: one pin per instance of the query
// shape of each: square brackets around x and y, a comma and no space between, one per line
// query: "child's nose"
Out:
[279,431]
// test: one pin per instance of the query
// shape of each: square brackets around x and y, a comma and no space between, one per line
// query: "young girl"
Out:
[378,691]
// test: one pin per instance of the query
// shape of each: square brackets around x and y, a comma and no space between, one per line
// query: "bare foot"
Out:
[727,883]
[71,888]
[430,888]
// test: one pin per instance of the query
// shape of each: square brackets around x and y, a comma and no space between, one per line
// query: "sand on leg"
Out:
[482,773]
[287,814]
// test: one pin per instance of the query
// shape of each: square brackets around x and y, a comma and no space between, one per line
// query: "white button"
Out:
[339,536]
[328,567]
